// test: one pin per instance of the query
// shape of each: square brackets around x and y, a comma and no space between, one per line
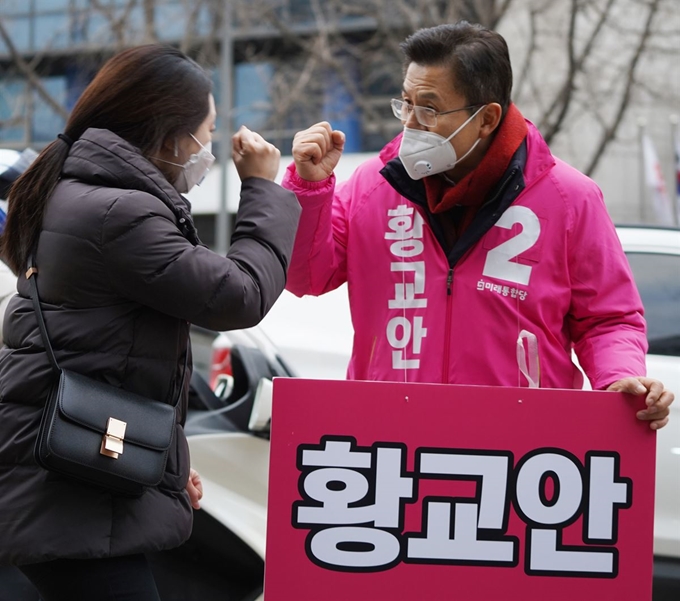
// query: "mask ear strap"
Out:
[176,148]
[197,141]
[470,118]
[477,141]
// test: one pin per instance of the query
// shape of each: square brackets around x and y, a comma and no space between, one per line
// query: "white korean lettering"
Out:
[405,292]
[373,492]
[399,334]
[547,515]
[407,248]
[548,556]
[462,544]
[355,547]
[391,487]
[492,470]
[607,492]
[405,227]
[336,453]
[354,506]
[531,481]
[336,488]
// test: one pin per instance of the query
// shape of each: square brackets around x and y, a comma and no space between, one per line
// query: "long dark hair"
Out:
[145,95]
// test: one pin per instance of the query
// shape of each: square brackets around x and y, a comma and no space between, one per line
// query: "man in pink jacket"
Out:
[471,254]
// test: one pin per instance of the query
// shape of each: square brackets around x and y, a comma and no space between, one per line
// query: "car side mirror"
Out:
[261,414]
[224,386]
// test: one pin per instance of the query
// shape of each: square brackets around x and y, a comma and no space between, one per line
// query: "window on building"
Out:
[15,7]
[47,5]
[252,98]
[340,101]
[298,11]
[21,32]
[171,20]
[381,81]
[12,111]
[52,31]
[45,123]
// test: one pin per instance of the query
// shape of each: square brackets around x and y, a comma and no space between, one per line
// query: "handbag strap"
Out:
[32,277]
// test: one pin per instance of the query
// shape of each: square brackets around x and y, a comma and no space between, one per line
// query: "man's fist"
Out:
[317,150]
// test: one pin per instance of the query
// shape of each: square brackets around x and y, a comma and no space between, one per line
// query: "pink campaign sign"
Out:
[425,492]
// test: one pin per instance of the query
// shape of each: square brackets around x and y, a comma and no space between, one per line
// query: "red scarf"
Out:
[471,191]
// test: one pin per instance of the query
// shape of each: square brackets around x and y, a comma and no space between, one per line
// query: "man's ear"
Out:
[491,119]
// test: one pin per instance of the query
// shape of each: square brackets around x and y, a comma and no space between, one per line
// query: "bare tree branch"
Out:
[610,132]
[30,74]
[117,18]
[193,9]
[529,55]
[149,11]
[563,97]
[568,88]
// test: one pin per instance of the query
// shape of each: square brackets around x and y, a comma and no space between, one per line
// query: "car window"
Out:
[658,280]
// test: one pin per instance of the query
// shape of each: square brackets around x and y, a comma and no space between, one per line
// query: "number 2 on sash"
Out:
[500,260]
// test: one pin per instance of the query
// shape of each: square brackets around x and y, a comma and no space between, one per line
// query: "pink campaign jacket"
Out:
[552,265]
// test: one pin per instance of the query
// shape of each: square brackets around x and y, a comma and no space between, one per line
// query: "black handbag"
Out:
[100,434]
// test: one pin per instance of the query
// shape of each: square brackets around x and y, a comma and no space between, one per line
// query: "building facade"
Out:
[62,43]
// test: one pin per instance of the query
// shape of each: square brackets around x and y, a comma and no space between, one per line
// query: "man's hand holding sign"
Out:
[658,400]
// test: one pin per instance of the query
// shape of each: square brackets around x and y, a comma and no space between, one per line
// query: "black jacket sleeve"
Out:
[149,260]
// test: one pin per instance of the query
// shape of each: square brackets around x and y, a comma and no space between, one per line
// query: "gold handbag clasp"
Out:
[112,441]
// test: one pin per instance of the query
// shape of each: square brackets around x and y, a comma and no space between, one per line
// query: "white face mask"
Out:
[195,169]
[426,153]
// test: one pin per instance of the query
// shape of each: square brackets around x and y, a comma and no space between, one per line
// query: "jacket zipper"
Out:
[447,335]
[449,289]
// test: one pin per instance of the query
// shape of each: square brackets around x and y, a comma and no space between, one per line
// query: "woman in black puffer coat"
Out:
[122,274]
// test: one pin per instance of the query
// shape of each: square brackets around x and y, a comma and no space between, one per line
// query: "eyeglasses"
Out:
[424,115]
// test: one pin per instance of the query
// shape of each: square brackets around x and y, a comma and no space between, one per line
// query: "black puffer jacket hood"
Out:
[121,275]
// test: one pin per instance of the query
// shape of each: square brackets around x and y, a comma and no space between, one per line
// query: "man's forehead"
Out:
[429,82]
[428,95]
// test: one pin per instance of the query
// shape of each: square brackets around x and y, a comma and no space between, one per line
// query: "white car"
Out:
[233,460]
[654,256]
